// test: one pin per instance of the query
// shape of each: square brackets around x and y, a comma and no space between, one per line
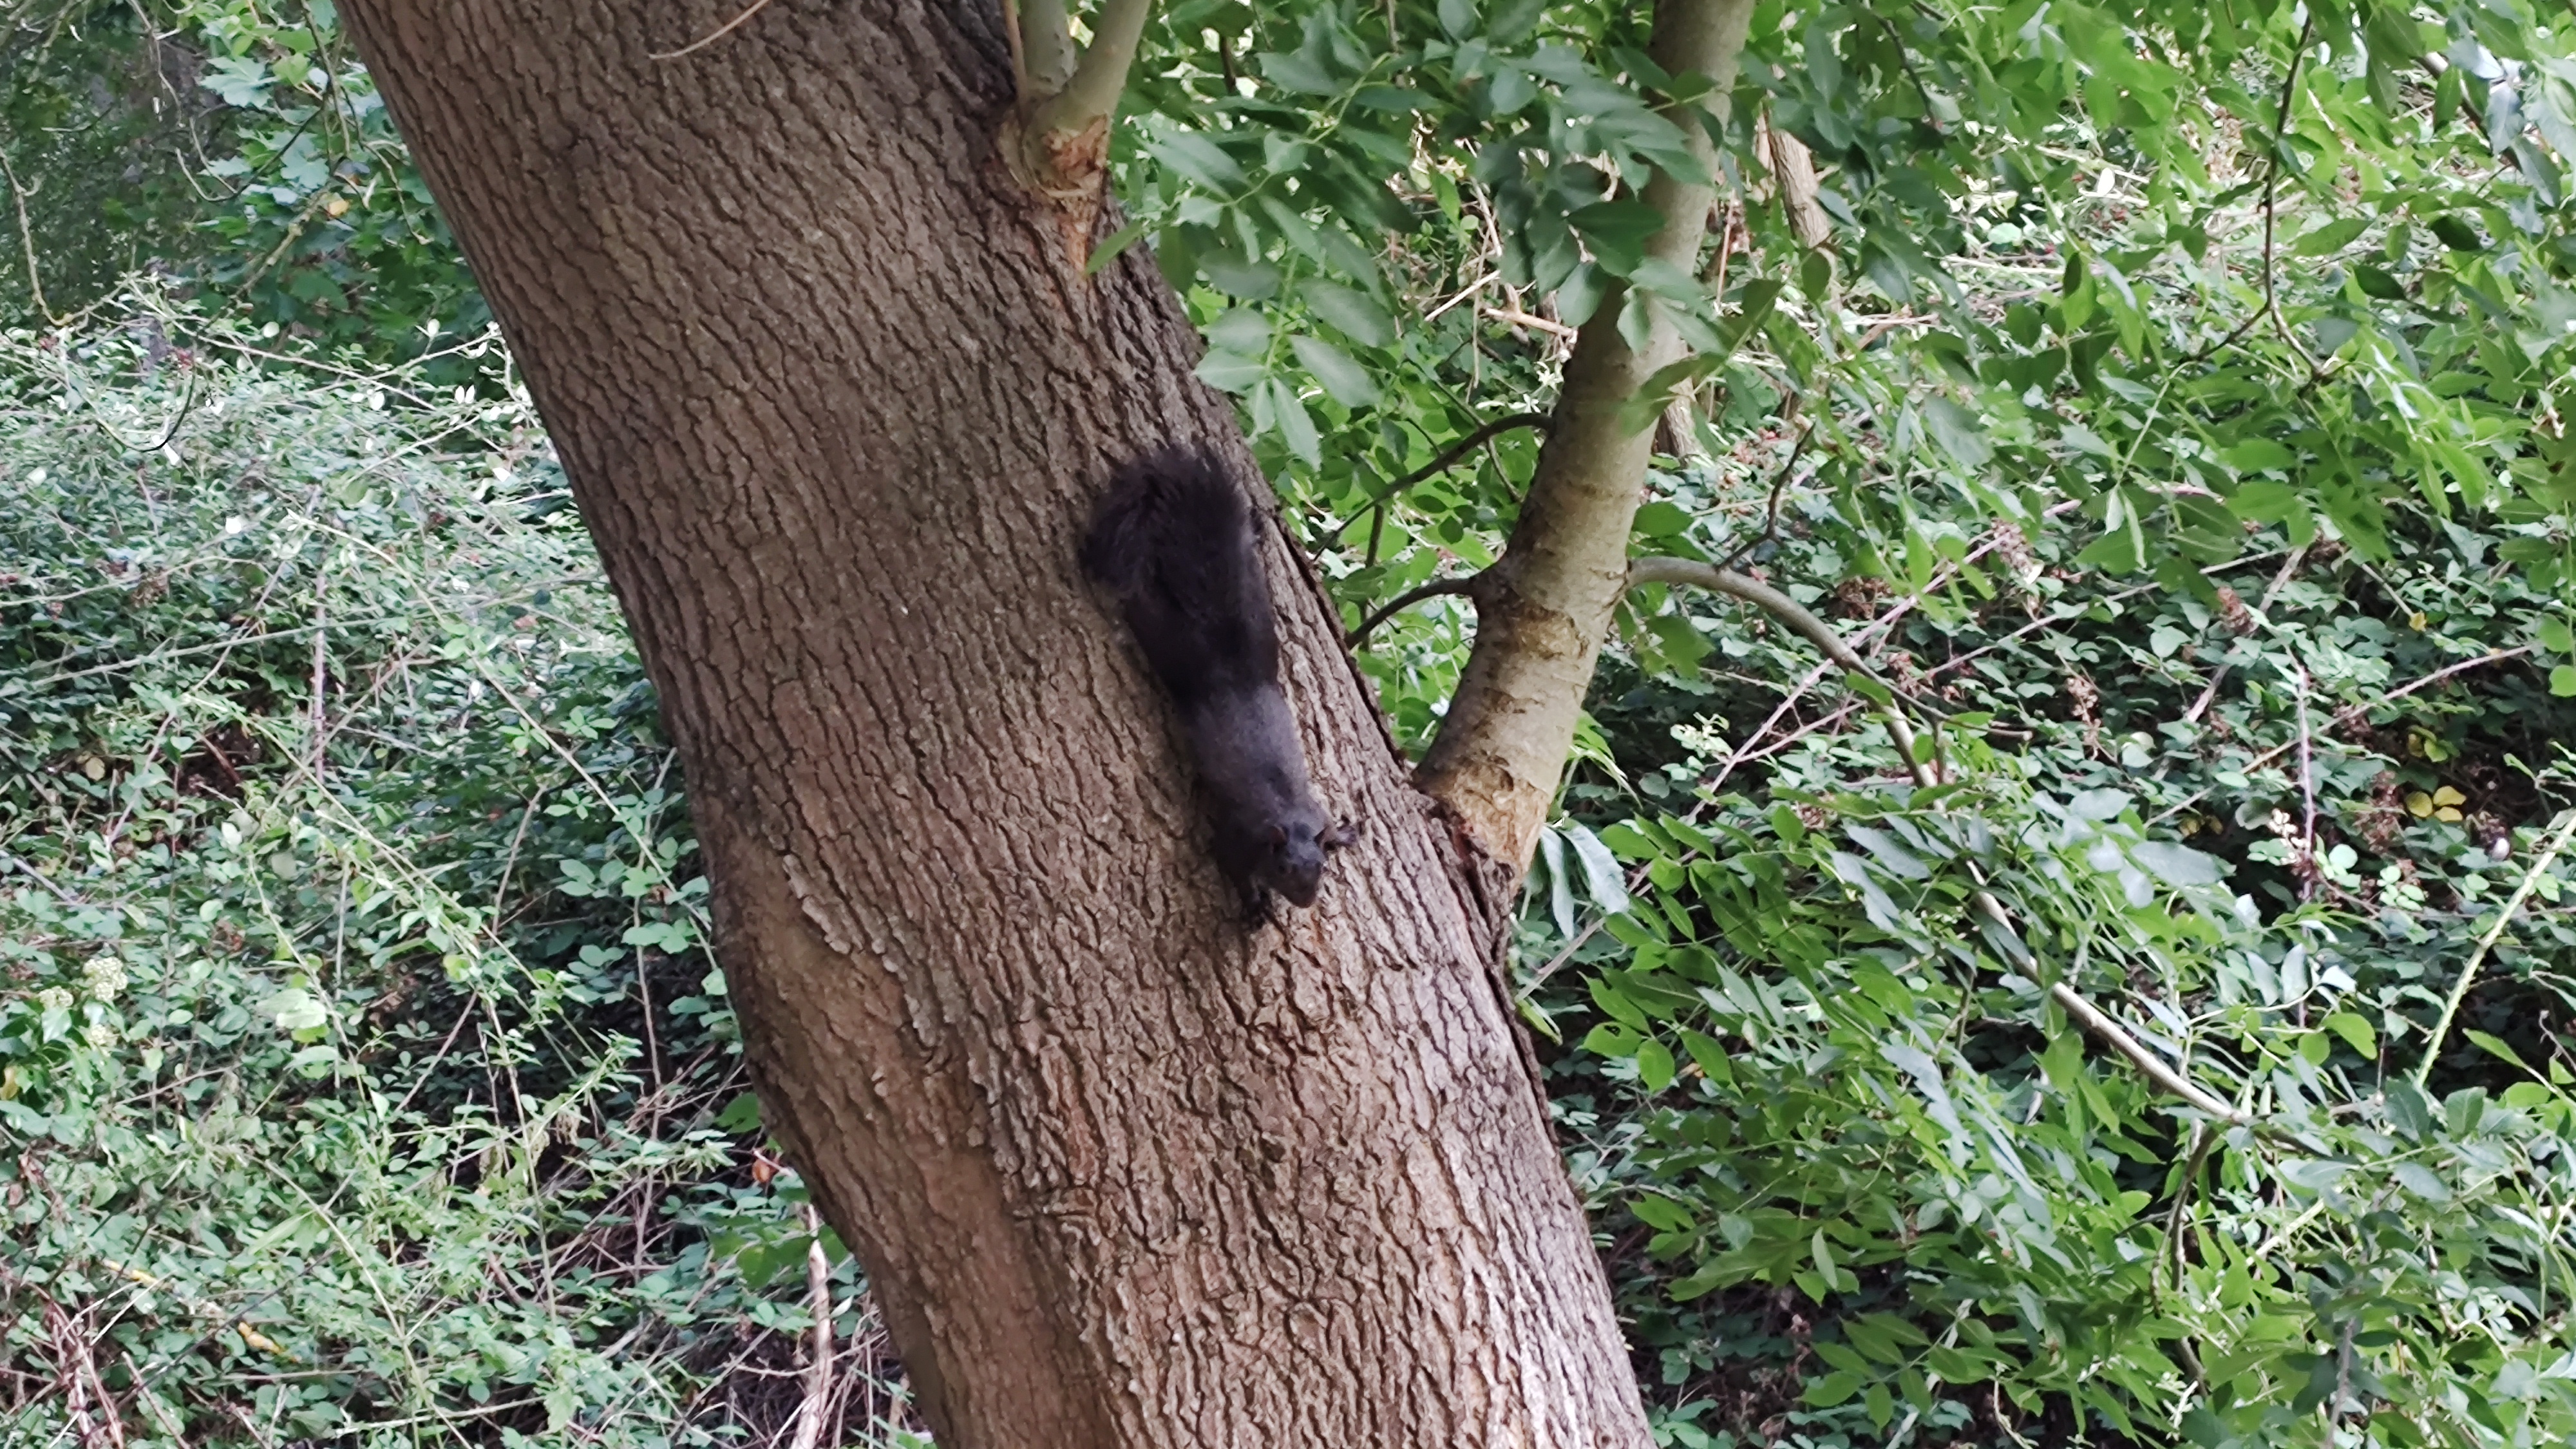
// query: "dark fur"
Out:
[1173,543]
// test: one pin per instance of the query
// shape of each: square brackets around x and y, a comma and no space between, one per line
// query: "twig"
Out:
[2308,798]
[2429,680]
[712,36]
[1409,598]
[2201,1141]
[2289,566]
[818,1374]
[27,239]
[1518,318]
[1779,484]
[39,877]
[321,668]
[2469,973]
[1471,289]
[2271,182]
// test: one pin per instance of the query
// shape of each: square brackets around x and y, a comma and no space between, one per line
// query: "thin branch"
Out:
[1523,319]
[1233,82]
[1047,30]
[27,239]
[1460,449]
[2154,1068]
[1410,597]
[712,36]
[2477,958]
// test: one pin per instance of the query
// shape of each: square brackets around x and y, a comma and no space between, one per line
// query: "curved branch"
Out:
[1408,599]
[1801,620]
[1501,749]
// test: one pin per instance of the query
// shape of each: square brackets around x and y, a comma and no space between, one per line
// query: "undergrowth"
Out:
[364,1076]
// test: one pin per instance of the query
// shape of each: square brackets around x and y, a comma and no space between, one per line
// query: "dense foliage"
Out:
[2171,417]
[360,1059]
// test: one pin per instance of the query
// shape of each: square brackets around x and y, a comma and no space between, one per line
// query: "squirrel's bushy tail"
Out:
[1173,541]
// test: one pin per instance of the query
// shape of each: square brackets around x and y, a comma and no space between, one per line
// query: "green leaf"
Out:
[2496,1047]
[1958,433]
[2456,233]
[2176,865]
[1602,878]
[1654,1065]
[1354,314]
[1199,159]
[1296,429]
[2356,1034]
[1618,232]
[2333,236]
[1347,381]
[2258,455]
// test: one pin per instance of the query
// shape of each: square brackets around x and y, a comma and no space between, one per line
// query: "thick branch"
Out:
[1047,50]
[1795,168]
[1090,96]
[1548,603]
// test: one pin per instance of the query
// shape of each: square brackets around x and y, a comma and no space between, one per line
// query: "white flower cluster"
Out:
[54,998]
[103,977]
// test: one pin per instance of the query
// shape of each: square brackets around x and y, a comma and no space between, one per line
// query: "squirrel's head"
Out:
[1297,848]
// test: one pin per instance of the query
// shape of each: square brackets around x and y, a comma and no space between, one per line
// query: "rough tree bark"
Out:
[835,402]
[1543,609]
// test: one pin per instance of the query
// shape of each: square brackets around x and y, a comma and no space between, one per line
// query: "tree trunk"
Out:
[835,402]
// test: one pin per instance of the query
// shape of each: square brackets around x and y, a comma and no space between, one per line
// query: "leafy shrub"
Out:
[362,1067]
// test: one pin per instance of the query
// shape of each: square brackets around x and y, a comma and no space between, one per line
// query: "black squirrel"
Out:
[1173,544]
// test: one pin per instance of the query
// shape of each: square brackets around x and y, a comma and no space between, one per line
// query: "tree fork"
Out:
[1545,607]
